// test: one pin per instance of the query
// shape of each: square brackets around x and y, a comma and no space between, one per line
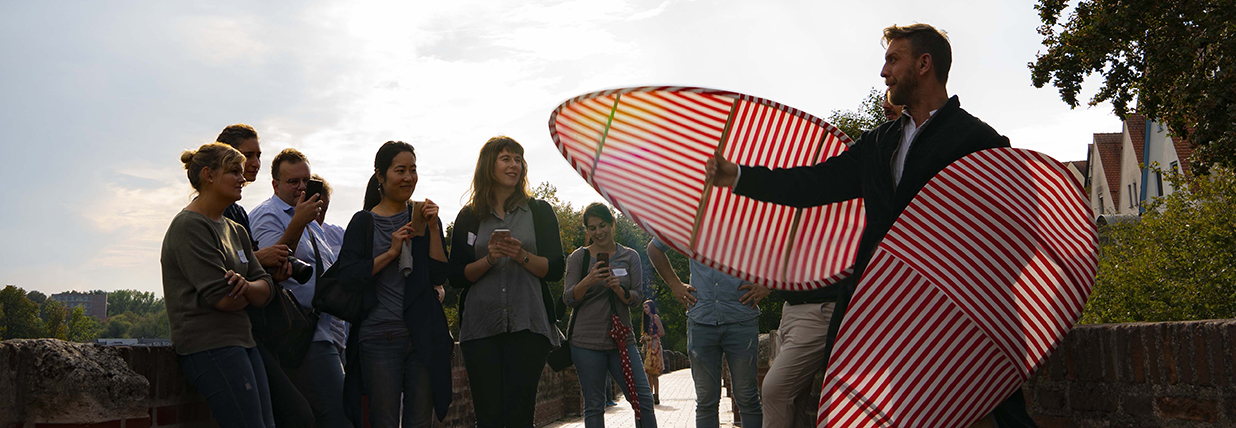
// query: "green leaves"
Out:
[1169,61]
[1177,263]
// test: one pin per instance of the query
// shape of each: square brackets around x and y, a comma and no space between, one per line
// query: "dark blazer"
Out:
[422,312]
[548,245]
[865,171]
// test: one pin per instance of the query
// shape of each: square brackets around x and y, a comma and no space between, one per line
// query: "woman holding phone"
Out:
[400,353]
[603,279]
[504,248]
[210,273]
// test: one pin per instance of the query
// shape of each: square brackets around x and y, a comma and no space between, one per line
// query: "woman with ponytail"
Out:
[400,353]
[210,273]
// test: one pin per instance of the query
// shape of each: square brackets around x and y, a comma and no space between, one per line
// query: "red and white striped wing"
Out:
[644,149]
[973,287]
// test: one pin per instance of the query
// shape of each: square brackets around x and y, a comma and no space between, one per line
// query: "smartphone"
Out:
[501,233]
[603,258]
[313,188]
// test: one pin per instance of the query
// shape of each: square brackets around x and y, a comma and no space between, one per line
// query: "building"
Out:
[94,304]
[1115,178]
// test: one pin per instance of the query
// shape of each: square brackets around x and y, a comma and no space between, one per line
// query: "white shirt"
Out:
[908,131]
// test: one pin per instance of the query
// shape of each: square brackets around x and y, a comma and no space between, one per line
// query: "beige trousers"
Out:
[800,355]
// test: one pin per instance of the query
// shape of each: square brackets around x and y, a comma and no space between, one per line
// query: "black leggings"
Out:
[503,372]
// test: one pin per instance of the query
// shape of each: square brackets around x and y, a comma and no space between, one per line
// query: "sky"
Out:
[98,99]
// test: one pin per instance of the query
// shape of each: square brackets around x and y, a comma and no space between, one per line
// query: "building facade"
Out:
[94,304]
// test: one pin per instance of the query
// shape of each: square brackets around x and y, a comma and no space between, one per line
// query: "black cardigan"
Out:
[422,312]
[548,245]
[865,171]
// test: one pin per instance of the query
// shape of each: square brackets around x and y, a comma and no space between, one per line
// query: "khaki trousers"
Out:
[800,356]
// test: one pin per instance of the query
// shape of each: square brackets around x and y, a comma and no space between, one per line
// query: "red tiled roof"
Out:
[1183,150]
[1110,145]
[1136,124]
[1080,165]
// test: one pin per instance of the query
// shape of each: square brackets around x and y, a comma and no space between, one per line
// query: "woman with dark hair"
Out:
[603,280]
[210,273]
[504,248]
[400,353]
[654,362]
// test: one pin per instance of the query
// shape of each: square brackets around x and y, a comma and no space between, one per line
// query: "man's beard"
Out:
[903,92]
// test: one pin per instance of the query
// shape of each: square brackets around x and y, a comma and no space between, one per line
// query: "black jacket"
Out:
[422,312]
[548,245]
[865,171]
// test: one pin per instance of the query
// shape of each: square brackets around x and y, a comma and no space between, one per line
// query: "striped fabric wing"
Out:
[976,283]
[644,149]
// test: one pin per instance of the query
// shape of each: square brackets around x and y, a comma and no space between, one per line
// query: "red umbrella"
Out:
[619,333]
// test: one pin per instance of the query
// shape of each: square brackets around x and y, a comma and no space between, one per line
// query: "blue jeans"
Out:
[320,379]
[233,380]
[739,342]
[595,367]
[395,376]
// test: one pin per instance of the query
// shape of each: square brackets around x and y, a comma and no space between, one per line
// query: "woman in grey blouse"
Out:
[594,298]
[504,248]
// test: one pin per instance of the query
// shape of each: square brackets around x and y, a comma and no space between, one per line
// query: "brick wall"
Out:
[1178,374]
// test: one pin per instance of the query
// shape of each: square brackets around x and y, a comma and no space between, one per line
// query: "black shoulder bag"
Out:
[343,298]
[560,359]
[284,325]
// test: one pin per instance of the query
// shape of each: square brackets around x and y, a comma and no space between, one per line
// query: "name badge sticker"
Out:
[471,238]
[619,271]
[240,254]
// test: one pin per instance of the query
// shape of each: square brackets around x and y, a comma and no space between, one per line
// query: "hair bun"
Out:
[187,157]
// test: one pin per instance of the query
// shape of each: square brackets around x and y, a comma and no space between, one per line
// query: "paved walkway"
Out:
[677,408]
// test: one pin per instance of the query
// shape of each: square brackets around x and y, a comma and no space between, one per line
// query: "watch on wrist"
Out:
[525,258]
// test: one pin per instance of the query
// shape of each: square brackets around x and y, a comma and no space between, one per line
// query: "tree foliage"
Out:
[870,114]
[21,316]
[139,302]
[1178,263]
[53,314]
[1177,58]
[36,297]
[82,328]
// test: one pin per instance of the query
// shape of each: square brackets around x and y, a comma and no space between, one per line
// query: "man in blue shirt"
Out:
[278,221]
[722,318]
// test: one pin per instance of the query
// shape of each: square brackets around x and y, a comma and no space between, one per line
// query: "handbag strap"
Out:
[584,267]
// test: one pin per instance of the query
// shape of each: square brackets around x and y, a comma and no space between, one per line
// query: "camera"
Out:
[301,272]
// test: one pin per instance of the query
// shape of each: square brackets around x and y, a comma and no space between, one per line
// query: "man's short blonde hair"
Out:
[925,39]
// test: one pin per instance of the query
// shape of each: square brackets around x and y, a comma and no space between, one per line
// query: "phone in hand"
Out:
[603,259]
[313,188]
[501,234]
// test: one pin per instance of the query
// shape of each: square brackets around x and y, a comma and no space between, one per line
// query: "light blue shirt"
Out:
[334,236]
[717,295]
[269,220]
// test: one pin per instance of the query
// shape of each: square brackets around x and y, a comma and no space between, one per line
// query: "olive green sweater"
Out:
[197,253]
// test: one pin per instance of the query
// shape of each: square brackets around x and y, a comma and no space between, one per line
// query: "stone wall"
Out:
[49,383]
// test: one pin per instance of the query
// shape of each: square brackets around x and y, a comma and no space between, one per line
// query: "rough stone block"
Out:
[1188,408]
[1168,347]
[1051,400]
[65,382]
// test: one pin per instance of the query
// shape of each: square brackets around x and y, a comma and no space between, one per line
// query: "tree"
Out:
[82,328]
[36,297]
[139,302]
[869,115]
[53,314]
[1177,263]
[21,320]
[1177,58]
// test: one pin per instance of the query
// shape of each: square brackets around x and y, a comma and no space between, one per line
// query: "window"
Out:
[1158,181]
[1130,188]
[1102,209]
[1175,166]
